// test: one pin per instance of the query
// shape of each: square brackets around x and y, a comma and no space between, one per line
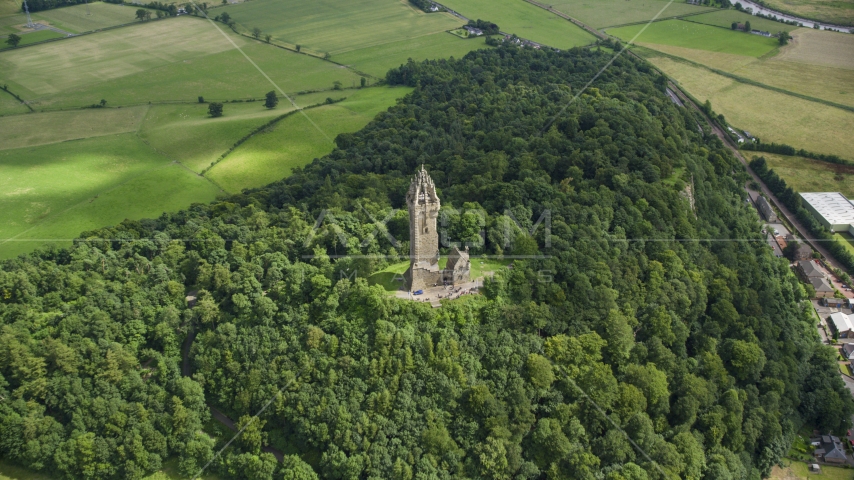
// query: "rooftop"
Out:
[833,206]
[842,322]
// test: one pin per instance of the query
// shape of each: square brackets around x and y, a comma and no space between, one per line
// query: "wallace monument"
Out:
[424,271]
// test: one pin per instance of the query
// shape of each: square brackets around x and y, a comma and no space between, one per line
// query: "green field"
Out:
[799,471]
[771,116]
[53,127]
[724,18]
[807,175]
[9,7]
[339,27]
[74,19]
[171,60]
[378,60]
[186,133]
[525,20]
[680,33]
[10,105]
[56,191]
[294,141]
[32,37]
[605,13]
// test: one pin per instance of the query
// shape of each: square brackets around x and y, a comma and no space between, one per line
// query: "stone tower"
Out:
[423,204]
[424,271]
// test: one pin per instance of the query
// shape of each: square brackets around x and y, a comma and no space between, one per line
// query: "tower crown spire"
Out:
[422,190]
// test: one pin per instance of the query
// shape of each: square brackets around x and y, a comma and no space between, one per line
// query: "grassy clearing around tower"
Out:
[680,33]
[53,127]
[338,27]
[293,142]
[378,60]
[525,20]
[9,7]
[724,19]
[771,116]
[390,277]
[604,13]
[171,60]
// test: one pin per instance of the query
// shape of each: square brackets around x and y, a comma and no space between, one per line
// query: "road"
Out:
[807,23]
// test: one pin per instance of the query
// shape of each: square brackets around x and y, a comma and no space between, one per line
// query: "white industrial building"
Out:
[832,209]
[842,324]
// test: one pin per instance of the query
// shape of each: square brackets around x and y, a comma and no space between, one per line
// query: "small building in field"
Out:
[841,324]
[765,209]
[473,31]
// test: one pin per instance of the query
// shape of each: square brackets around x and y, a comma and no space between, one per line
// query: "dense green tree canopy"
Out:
[632,341]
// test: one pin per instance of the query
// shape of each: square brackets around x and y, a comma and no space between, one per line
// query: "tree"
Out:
[336,85]
[256,32]
[747,26]
[140,14]
[735,25]
[215,109]
[103,102]
[13,40]
[268,37]
[363,81]
[225,17]
[271,99]
[148,15]
[160,14]
[299,47]
[784,38]
[201,99]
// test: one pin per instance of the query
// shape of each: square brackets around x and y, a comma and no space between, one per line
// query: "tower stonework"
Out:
[424,271]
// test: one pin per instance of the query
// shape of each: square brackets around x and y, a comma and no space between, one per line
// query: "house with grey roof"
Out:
[765,209]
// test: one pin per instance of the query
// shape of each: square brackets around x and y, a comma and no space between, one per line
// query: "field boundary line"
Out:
[90,32]
[98,135]
[260,70]
[675,17]
[178,162]
[255,131]
[16,97]
[293,50]
[748,81]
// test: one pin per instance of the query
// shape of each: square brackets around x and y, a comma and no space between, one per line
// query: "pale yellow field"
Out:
[827,83]
[33,129]
[818,47]
[771,116]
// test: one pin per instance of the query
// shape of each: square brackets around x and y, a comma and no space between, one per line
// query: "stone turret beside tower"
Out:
[424,271]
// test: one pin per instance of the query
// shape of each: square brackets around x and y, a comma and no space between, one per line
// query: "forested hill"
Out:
[701,350]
